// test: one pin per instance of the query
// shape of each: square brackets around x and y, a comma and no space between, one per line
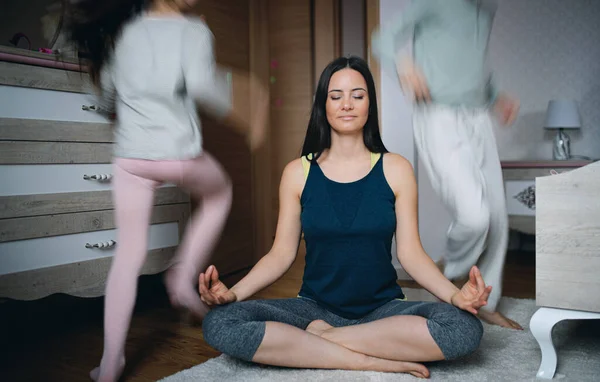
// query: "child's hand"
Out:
[413,80]
[506,109]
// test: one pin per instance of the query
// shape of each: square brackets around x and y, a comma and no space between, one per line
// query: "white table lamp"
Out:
[561,115]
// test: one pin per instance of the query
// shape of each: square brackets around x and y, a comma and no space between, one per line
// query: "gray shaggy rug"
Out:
[504,355]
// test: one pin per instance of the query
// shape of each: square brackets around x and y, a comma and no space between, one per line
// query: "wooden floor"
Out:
[59,338]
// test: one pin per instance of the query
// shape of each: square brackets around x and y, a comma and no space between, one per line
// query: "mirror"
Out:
[32,29]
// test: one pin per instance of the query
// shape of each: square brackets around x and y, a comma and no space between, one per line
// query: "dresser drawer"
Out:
[520,197]
[27,103]
[56,179]
[50,179]
[23,255]
[34,245]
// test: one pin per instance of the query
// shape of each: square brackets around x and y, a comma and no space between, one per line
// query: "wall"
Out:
[395,109]
[541,50]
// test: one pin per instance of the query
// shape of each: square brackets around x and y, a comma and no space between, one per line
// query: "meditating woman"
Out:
[349,196]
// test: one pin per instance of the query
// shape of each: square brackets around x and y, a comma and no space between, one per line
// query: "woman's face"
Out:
[347,105]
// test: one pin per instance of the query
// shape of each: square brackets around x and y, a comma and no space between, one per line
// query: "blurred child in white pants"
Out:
[454,94]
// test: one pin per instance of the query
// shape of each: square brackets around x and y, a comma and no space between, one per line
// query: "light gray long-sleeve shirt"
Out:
[450,40]
[160,69]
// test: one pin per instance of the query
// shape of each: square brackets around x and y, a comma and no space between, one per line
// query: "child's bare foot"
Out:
[108,376]
[317,327]
[497,318]
[95,373]
[183,294]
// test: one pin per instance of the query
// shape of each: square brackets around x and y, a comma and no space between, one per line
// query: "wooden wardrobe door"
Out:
[229,21]
[274,40]
[291,70]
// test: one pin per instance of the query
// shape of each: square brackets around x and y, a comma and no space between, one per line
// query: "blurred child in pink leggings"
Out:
[152,65]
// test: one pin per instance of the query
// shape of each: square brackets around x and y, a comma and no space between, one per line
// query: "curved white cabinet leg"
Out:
[541,324]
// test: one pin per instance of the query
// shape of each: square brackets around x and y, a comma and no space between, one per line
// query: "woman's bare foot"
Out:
[497,318]
[317,327]
[388,366]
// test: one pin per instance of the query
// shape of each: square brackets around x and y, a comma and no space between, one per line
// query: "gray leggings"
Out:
[238,329]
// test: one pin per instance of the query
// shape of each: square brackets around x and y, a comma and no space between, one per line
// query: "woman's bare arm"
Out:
[287,237]
[412,256]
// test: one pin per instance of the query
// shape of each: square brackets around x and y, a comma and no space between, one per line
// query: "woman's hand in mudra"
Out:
[474,294]
[212,290]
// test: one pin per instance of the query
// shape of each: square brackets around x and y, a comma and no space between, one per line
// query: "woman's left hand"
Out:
[474,294]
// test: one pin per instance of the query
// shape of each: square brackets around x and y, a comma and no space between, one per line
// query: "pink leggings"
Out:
[134,183]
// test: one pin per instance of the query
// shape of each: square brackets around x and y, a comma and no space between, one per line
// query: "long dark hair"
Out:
[318,134]
[94,25]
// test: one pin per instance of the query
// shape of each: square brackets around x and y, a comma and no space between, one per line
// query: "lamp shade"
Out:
[562,114]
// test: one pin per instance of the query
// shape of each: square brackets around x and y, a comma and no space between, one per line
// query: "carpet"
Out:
[504,355]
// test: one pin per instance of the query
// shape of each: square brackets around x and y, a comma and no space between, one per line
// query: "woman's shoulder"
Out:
[292,178]
[397,170]
[396,162]
[294,166]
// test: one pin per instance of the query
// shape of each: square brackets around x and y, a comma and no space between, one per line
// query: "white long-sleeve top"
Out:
[161,67]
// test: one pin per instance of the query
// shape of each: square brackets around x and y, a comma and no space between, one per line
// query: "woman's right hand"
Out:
[212,290]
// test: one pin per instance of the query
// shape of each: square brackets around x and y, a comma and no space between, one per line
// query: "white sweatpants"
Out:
[458,150]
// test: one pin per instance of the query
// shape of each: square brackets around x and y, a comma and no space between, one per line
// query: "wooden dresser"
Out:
[519,186]
[57,232]
[567,255]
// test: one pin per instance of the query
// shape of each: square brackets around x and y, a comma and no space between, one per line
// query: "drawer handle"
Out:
[98,177]
[103,245]
[527,197]
[89,107]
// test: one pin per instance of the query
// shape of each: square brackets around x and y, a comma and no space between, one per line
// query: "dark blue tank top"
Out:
[348,229]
